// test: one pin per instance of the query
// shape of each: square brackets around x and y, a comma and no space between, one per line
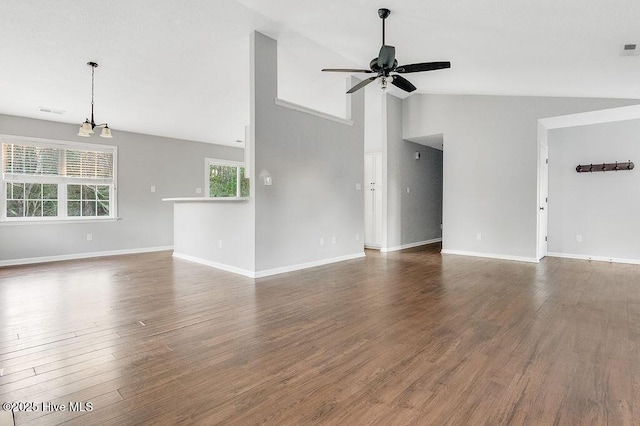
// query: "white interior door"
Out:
[543,202]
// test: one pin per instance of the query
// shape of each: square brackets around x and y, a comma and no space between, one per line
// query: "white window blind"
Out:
[27,159]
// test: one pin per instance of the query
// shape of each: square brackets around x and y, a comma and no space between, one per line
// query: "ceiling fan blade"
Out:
[386,57]
[424,66]
[361,84]
[402,83]
[345,70]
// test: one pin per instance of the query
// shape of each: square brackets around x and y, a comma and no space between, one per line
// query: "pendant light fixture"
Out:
[86,129]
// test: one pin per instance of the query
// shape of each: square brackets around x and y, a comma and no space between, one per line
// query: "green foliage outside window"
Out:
[41,200]
[223,181]
[32,200]
[244,184]
[88,200]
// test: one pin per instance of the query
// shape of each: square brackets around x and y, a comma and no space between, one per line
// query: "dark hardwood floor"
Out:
[411,337]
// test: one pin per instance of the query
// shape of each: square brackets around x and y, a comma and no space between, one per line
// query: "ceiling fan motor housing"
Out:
[382,70]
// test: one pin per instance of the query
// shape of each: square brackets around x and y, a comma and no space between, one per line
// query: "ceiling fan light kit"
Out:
[86,129]
[386,63]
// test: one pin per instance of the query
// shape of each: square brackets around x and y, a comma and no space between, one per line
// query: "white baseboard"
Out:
[267,272]
[216,265]
[491,256]
[411,245]
[595,258]
[75,256]
[282,270]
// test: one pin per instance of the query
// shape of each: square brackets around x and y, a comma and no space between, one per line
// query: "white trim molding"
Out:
[76,256]
[291,268]
[608,115]
[267,272]
[221,266]
[595,258]
[205,199]
[55,221]
[491,256]
[306,110]
[411,245]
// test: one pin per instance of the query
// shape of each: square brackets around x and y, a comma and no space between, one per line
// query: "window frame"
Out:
[208,162]
[62,182]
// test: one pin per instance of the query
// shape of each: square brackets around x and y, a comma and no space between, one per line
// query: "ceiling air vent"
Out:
[630,49]
[51,110]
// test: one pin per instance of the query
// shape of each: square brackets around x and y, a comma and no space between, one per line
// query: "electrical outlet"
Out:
[479,236]
[219,243]
[358,186]
[321,241]
[153,188]
[89,237]
[408,190]
[357,236]
[198,190]
[334,239]
[578,238]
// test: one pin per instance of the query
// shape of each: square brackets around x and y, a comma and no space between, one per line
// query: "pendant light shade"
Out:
[86,129]
[106,132]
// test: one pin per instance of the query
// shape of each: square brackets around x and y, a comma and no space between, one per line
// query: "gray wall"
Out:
[422,206]
[373,96]
[217,232]
[602,207]
[175,167]
[490,164]
[315,164]
[414,216]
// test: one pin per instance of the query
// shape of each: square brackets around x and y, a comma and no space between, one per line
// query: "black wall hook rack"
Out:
[605,167]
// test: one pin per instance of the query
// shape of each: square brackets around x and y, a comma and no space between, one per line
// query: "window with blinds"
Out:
[45,180]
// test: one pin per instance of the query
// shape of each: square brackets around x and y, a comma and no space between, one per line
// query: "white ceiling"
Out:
[181,69]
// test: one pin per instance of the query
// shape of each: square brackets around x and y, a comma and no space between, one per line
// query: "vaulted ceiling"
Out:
[181,69]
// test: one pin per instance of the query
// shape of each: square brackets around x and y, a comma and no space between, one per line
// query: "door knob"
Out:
[541,208]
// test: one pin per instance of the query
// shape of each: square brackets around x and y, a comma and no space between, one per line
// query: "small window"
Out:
[88,200]
[50,180]
[31,200]
[226,179]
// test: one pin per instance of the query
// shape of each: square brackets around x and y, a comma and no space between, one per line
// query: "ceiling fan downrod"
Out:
[384,14]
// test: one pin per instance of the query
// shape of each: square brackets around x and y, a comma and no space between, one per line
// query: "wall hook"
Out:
[606,167]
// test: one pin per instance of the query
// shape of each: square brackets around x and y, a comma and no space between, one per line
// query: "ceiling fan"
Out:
[386,63]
